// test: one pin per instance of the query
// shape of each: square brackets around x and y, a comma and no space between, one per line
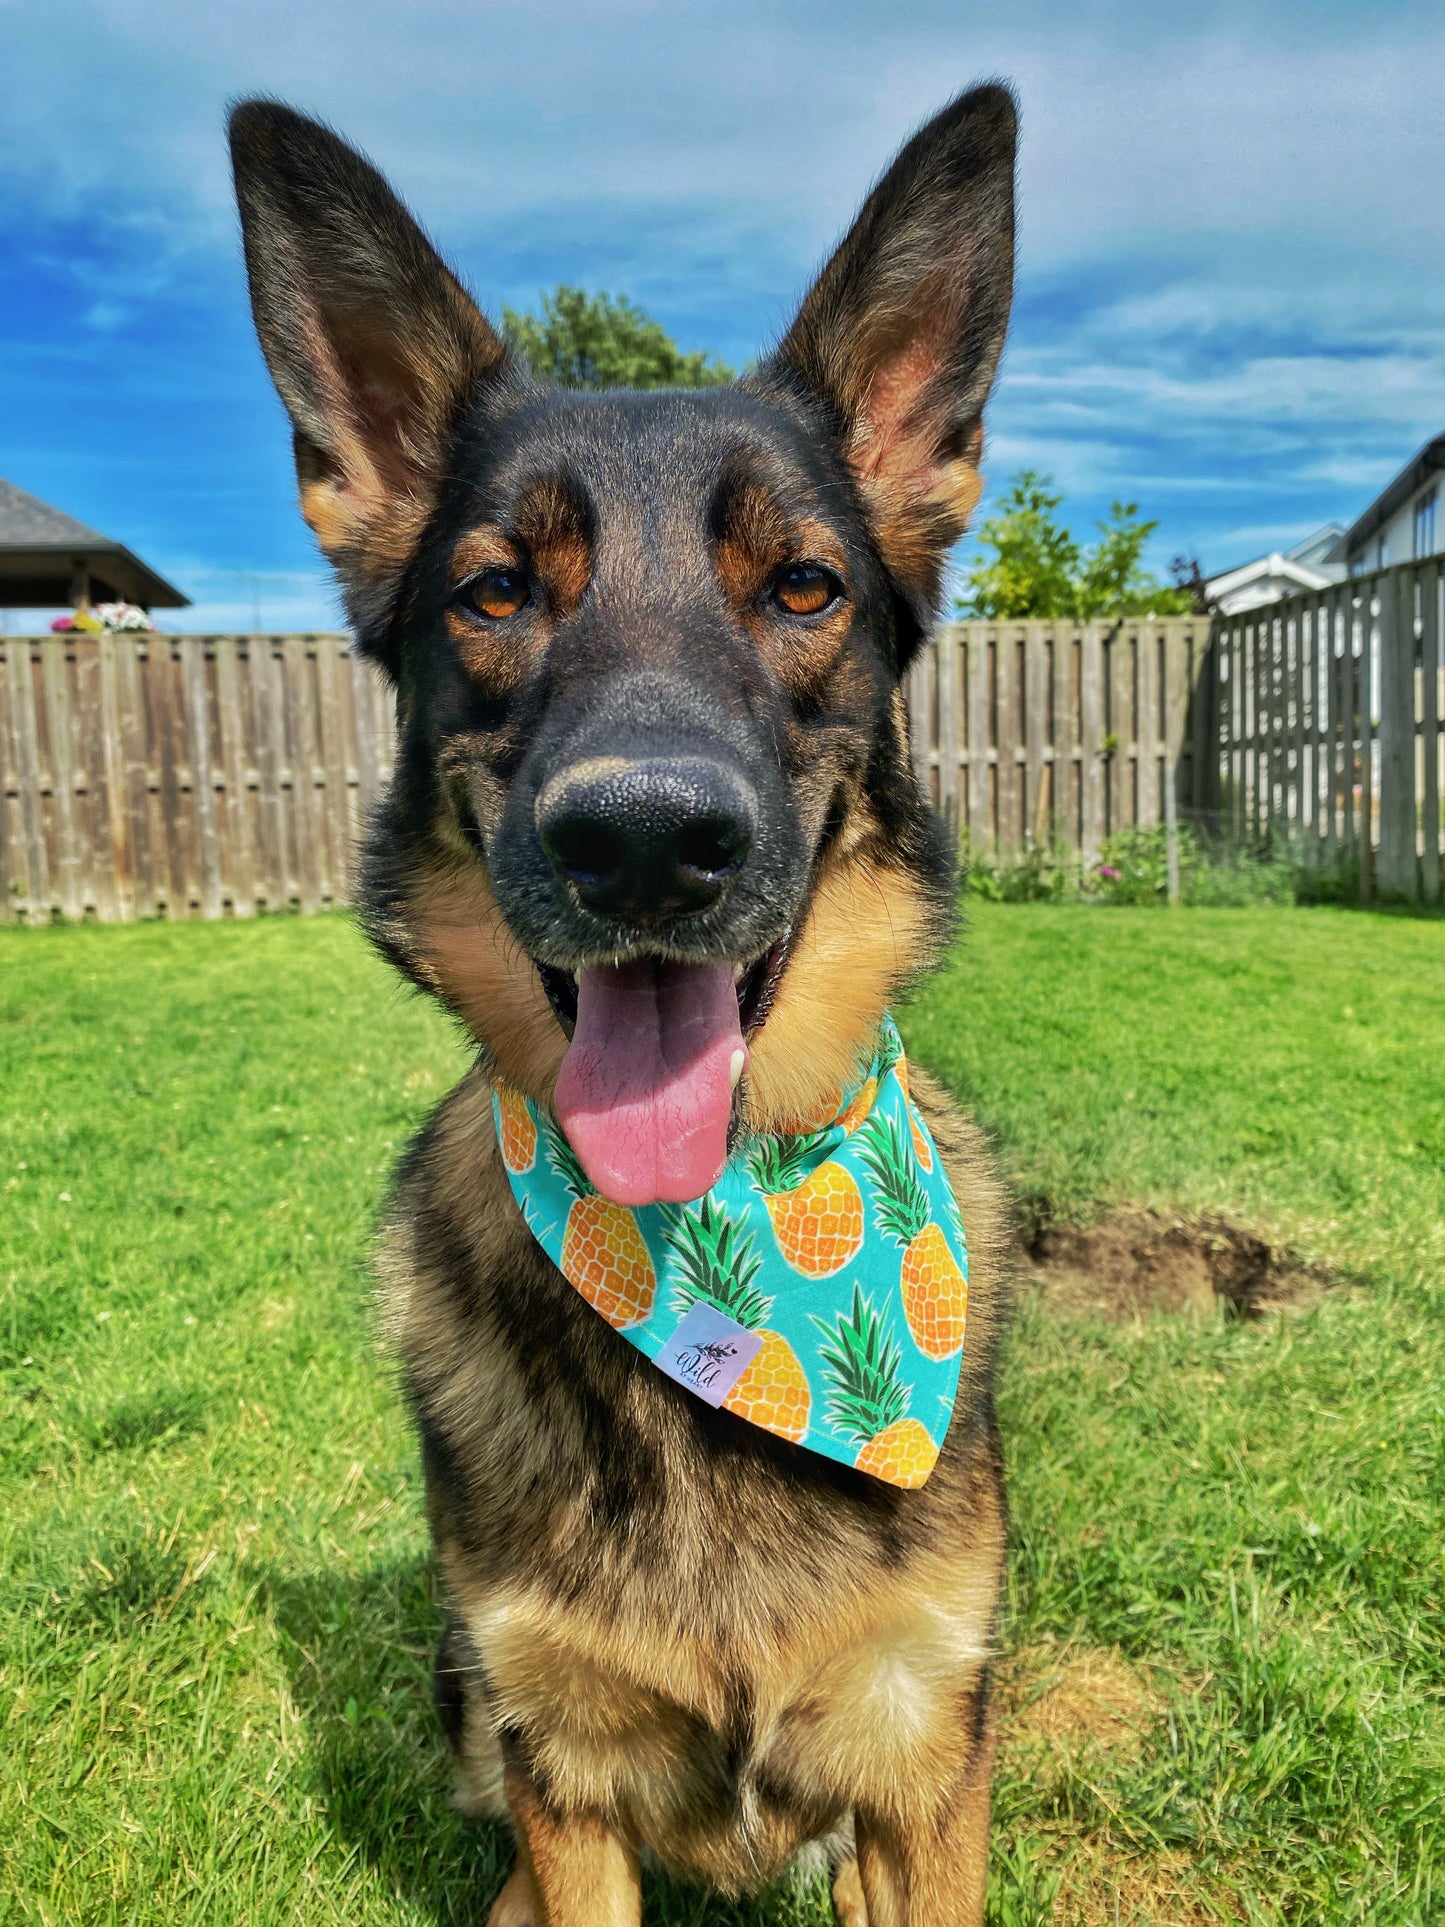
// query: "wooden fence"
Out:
[184,776]
[209,776]
[1330,732]
[1023,729]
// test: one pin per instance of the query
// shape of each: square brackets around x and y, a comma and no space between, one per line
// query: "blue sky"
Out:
[1231,302]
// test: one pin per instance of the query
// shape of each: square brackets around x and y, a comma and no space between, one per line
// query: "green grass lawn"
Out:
[1225,1662]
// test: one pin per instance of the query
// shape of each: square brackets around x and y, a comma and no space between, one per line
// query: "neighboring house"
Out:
[48,560]
[1405,522]
[1308,565]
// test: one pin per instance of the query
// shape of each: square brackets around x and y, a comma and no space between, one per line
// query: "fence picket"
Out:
[1148,794]
[1093,764]
[116,893]
[1432,584]
[1064,768]
[31,781]
[976,719]
[946,652]
[1395,873]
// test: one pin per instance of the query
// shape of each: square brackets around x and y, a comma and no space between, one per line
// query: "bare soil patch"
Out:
[1100,1888]
[1072,1697]
[1133,1263]
[1079,1716]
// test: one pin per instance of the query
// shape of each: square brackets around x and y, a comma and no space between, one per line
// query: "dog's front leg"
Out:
[929,1867]
[576,1872]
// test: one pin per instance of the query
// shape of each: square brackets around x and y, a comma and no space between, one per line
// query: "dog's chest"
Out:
[738,1724]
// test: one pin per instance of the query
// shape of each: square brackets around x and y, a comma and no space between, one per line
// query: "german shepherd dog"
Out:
[647,652]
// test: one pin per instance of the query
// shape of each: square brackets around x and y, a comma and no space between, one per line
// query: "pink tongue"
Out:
[645,1091]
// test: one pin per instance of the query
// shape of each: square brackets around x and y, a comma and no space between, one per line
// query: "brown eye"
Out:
[496,593]
[803,589]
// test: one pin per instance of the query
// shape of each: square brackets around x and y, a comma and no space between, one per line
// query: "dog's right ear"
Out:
[900,335]
[373,343]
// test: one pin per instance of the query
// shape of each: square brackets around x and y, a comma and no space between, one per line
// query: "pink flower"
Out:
[1108,870]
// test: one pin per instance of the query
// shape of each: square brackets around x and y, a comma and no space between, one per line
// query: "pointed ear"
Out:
[901,334]
[373,343]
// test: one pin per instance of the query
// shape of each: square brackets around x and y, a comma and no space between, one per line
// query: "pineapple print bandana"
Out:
[819,1289]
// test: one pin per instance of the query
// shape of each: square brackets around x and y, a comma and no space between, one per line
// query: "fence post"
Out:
[946,646]
[1431,583]
[1395,870]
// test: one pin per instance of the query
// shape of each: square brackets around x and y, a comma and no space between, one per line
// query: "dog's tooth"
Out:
[735,1067]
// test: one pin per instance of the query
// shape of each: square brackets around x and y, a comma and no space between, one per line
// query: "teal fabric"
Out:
[818,1289]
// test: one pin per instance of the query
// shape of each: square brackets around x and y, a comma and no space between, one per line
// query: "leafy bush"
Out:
[1049,872]
[1133,865]
[1133,868]
[1236,878]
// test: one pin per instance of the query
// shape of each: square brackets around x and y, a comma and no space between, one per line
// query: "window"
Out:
[1425,523]
[1380,550]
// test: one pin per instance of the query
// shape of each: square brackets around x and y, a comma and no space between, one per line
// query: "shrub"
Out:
[1050,872]
[1133,865]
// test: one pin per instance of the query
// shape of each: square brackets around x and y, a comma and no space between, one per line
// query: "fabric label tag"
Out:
[708,1353]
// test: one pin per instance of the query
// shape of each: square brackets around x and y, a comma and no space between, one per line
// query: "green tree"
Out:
[600,341]
[1035,560]
[1037,569]
[1112,579]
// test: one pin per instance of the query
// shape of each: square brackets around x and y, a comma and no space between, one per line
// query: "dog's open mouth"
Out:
[658,1048]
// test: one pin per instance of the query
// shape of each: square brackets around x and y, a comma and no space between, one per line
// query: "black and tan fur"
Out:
[671,1632]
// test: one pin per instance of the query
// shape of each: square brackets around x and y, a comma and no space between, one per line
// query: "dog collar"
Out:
[818,1290]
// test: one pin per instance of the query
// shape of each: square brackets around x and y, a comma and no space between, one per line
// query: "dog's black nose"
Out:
[647,840]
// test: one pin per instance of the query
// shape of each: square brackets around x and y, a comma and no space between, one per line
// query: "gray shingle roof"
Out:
[28,523]
[39,543]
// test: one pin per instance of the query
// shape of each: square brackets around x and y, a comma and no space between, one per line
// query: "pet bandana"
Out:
[819,1289]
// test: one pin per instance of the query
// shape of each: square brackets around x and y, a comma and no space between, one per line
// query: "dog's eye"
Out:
[496,593]
[803,589]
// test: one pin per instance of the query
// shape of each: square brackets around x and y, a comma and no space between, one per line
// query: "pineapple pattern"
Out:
[817,1214]
[868,1399]
[716,1265]
[838,1250]
[516,1133]
[604,1253]
[935,1292]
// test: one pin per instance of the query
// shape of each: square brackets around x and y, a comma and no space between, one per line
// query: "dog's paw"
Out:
[849,1906]
[513,1905]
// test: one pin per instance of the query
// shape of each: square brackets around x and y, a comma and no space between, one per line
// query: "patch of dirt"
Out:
[1071,1697]
[1104,1888]
[1134,1263]
[1078,1717]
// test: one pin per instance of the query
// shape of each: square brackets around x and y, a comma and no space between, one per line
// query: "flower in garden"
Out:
[122,615]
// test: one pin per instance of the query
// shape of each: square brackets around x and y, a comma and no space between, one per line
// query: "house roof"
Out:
[1288,565]
[1276,567]
[1416,470]
[1316,548]
[39,545]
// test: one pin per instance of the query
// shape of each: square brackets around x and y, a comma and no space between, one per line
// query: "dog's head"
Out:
[654,833]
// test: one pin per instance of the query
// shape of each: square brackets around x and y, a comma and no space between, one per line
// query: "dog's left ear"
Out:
[374,345]
[901,334]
